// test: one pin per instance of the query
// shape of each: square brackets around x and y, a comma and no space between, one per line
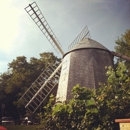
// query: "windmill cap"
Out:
[88,43]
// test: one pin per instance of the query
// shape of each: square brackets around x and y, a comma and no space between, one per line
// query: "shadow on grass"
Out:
[23,127]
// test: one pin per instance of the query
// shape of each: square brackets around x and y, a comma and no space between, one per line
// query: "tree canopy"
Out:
[19,77]
[123,46]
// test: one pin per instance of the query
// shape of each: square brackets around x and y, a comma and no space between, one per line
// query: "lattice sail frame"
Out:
[41,88]
[84,34]
[37,16]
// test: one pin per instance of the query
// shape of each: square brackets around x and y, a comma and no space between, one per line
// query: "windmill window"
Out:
[63,77]
[65,64]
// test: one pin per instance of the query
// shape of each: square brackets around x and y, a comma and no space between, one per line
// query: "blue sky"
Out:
[19,36]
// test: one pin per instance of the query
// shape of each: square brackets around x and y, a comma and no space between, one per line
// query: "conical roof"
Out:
[88,43]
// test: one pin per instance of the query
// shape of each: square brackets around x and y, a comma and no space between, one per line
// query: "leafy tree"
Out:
[123,46]
[91,109]
[114,97]
[21,75]
[3,83]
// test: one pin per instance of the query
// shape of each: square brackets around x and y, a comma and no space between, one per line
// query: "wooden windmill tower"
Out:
[83,64]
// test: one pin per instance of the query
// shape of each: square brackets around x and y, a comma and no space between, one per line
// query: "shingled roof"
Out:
[88,43]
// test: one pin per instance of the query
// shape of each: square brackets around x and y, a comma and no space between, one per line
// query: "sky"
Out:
[19,36]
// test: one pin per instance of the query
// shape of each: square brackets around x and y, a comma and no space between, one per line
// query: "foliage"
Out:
[114,97]
[91,109]
[123,44]
[18,78]
[123,47]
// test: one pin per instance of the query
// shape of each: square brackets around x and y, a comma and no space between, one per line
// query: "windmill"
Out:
[83,64]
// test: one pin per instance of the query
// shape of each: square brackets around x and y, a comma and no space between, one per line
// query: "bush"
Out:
[91,109]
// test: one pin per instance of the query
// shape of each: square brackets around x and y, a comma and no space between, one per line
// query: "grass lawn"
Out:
[23,127]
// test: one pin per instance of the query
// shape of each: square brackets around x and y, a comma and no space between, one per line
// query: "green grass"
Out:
[23,127]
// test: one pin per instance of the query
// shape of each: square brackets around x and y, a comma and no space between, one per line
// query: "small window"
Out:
[65,65]
[63,77]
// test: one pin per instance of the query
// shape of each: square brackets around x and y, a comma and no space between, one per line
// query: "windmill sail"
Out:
[84,34]
[37,16]
[41,88]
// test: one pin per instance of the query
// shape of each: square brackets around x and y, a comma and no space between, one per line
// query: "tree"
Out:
[123,46]
[91,109]
[114,97]
[21,75]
